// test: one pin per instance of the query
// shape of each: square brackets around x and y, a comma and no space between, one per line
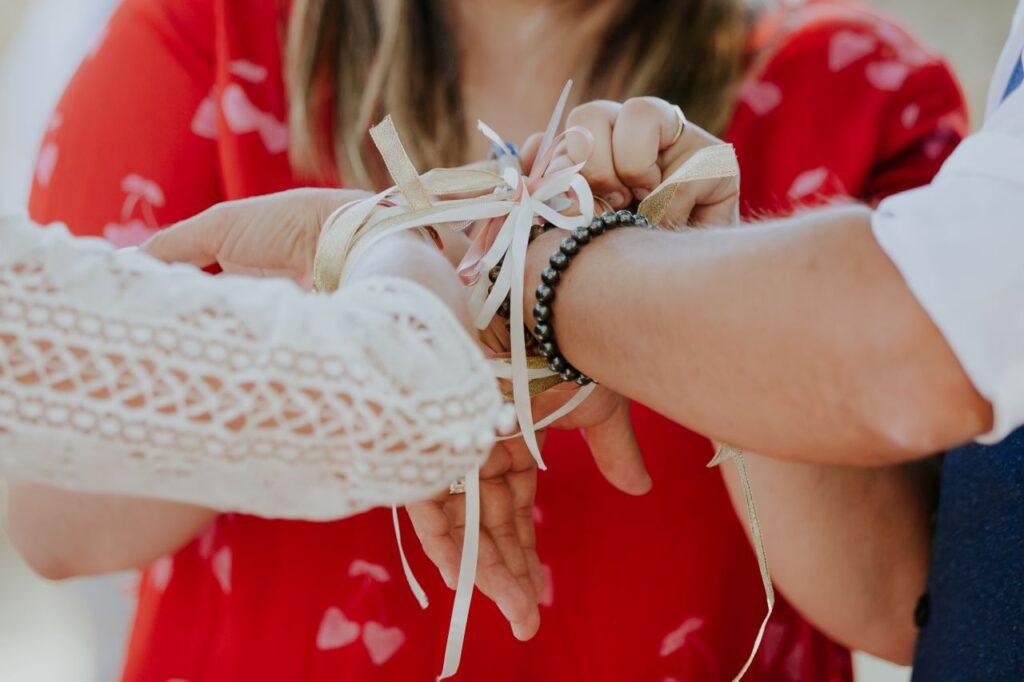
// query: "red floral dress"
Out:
[182,105]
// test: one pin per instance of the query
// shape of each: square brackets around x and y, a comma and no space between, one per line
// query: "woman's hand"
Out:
[270,236]
[508,567]
[638,144]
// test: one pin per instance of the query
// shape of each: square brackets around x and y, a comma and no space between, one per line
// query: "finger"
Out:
[497,519]
[494,580]
[713,201]
[692,140]
[599,118]
[195,241]
[617,454]
[721,207]
[522,484]
[528,152]
[433,529]
[644,126]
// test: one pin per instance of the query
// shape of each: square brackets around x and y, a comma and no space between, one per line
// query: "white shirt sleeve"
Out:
[120,374]
[959,244]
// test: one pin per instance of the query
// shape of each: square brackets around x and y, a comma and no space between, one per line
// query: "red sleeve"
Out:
[846,104]
[132,146]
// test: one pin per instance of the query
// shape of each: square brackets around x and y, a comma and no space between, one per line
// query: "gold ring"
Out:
[458,487]
[681,117]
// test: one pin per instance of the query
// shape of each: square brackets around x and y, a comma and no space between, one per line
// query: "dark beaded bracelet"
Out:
[543,311]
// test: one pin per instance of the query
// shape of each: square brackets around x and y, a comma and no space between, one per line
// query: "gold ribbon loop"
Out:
[398,163]
[709,163]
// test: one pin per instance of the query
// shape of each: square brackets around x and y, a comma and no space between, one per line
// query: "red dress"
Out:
[182,105]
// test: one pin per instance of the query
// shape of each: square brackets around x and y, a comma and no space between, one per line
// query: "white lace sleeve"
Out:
[121,374]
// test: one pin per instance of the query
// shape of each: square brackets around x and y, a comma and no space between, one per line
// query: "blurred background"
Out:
[74,632]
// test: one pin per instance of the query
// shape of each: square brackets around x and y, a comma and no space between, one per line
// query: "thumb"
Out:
[617,454]
[195,241]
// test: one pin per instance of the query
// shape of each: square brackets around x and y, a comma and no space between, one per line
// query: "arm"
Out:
[64,534]
[235,394]
[133,111]
[798,339]
[849,547]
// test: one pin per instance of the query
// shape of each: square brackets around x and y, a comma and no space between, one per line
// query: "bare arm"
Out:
[63,534]
[849,547]
[797,339]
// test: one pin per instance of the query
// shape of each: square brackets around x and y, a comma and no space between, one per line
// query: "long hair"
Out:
[349,62]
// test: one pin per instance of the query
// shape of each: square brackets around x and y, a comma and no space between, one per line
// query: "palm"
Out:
[508,567]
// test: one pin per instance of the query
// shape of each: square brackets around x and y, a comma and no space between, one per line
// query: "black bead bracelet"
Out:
[543,311]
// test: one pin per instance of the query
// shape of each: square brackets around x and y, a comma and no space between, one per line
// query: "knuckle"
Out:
[642,106]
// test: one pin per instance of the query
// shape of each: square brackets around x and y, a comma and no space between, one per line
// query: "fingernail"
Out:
[616,200]
[641,194]
[517,632]
[448,579]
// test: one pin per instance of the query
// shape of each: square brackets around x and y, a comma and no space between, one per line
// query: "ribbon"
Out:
[508,204]
[710,163]
[726,453]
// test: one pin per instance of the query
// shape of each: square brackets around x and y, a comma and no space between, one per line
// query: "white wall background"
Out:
[75,632]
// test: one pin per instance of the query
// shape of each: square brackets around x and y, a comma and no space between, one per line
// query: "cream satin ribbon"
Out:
[724,454]
[511,204]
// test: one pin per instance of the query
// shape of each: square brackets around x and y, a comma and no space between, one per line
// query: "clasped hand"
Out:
[637,144]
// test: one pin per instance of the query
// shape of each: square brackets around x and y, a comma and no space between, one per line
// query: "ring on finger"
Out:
[681,118]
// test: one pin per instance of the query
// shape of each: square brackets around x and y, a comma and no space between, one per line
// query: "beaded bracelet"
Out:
[543,311]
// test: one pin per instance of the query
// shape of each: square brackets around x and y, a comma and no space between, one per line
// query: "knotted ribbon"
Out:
[509,204]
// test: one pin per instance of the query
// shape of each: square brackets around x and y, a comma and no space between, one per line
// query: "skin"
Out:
[862,384]
[48,525]
[834,391]
[839,399]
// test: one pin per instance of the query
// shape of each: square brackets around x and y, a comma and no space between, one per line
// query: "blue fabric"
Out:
[974,610]
[1016,79]
[972,618]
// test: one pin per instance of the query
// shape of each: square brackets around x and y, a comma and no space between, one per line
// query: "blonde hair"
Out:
[349,62]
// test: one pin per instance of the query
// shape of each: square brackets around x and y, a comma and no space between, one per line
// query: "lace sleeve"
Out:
[124,375]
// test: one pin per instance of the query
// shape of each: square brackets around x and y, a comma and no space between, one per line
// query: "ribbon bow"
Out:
[510,204]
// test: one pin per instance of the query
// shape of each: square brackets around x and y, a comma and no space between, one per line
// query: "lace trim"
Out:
[121,374]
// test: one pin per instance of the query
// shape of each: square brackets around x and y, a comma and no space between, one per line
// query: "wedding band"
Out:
[681,117]
[458,487]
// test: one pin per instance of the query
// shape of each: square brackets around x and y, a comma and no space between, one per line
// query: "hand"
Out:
[637,145]
[508,568]
[270,236]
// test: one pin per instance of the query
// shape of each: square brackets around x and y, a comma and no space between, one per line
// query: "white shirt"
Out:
[959,244]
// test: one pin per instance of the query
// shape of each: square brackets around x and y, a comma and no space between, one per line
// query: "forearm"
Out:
[63,534]
[847,546]
[797,339]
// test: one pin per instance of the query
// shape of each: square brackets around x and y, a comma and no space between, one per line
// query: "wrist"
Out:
[553,286]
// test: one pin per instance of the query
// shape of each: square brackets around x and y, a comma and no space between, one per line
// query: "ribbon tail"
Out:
[555,121]
[520,382]
[758,541]
[398,163]
[467,578]
[410,577]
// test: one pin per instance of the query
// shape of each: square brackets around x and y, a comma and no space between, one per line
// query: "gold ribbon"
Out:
[399,165]
[725,453]
[710,163]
